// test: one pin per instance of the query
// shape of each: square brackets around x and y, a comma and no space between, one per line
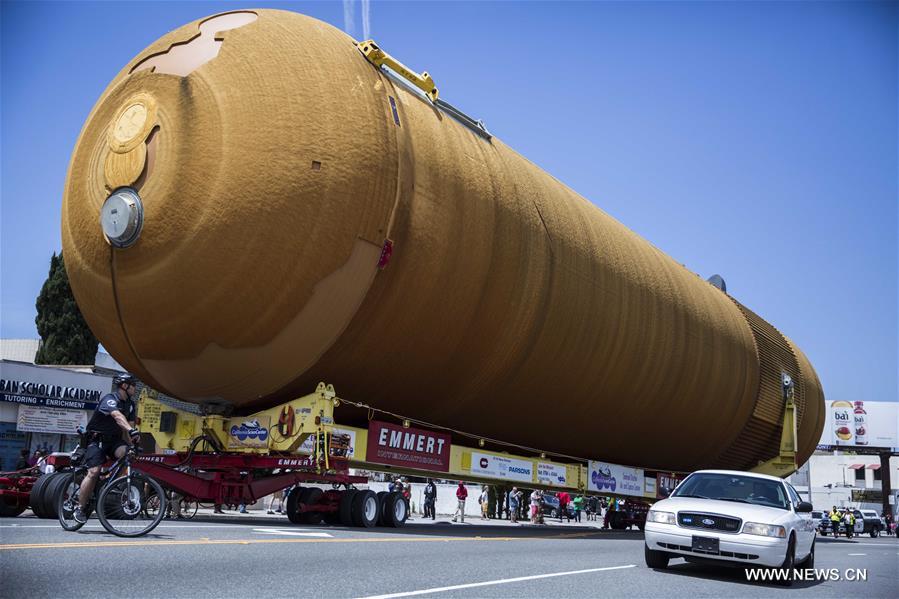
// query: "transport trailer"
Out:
[233,478]
[15,489]
[243,459]
[27,488]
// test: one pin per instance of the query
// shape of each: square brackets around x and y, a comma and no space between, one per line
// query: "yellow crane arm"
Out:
[378,57]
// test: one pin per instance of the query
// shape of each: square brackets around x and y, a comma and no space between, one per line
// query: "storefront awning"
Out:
[856,466]
[873,466]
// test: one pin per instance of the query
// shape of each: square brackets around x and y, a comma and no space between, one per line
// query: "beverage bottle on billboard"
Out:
[861,423]
[843,422]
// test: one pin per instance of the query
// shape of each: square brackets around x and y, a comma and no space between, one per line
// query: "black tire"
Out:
[554,513]
[657,560]
[121,508]
[310,496]
[67,500]
[395,510]
[293,498]
[36,498]
[10,505]
[346,507]
[789,563]
[809,562]
[875,532]
[51,494]
[382,500]
[365,509]
[189,508]
[152,505]
[616,521]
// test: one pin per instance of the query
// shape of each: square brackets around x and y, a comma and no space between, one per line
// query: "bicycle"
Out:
[120,499]
[188,505]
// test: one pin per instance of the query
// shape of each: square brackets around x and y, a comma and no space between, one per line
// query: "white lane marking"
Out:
[491,582]
[291,533]
[886,545]
[858,554]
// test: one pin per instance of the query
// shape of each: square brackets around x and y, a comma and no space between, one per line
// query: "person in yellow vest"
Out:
[835,520]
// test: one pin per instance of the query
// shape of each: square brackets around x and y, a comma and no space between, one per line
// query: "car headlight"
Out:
[765,530]
[661,517]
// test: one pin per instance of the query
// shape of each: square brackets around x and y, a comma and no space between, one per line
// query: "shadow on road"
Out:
[439,528]
[730,574]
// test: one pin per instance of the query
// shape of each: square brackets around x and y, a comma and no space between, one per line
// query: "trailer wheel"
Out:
[395,510]
[365,509]
[10,505]
[35,499]
[346,507]
[42,507]
[382,501]
[293,497]
[52,492]
[310,496]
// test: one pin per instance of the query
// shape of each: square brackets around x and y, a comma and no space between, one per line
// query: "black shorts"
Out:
[100,449]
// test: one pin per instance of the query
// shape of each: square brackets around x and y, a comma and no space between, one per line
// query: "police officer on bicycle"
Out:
[115,414]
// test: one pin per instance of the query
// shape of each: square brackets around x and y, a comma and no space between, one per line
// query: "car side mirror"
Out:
[804,507]
[664,492]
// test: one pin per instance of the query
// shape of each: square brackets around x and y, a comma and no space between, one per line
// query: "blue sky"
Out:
[754,140]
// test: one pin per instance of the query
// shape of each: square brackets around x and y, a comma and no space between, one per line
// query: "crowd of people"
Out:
[532,505]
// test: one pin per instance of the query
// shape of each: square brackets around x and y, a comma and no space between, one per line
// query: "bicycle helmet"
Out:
[124,379]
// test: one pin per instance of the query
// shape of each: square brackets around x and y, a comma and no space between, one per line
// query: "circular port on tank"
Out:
[122,217]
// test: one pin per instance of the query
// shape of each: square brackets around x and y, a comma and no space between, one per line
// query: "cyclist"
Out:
[115,414]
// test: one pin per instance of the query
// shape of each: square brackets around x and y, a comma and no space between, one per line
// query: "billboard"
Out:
[40,419]
[410,447]
[496,466]
[31,385]
[861,424]
[614,478]
[552,474]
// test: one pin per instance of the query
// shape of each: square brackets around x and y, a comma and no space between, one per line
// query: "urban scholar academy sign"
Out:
[50,395]
[409,447]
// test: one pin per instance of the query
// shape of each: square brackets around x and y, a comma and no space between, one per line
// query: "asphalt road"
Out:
[267,557]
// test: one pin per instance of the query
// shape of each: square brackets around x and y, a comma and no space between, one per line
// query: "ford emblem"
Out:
[708,522]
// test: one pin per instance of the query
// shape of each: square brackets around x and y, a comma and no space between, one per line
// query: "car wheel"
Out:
[875,532]
[657,560]
[810,560]
[789,563]
[554,514]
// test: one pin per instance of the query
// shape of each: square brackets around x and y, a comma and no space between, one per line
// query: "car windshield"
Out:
[734,487]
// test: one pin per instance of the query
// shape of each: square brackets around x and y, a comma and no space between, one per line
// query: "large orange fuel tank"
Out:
[226,215]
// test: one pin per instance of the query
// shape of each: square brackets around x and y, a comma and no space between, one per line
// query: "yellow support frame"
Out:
[785,463]
[312,415]
[378,57]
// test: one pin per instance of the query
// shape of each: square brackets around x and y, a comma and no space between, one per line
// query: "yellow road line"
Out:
[147,543]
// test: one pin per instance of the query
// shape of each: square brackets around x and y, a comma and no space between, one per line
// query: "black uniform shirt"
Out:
[102,421]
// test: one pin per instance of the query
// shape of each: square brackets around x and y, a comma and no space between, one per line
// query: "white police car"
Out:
[732,517]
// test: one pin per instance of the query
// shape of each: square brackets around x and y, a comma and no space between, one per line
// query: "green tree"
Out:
[66,338]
